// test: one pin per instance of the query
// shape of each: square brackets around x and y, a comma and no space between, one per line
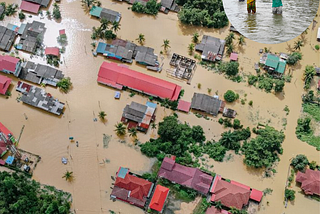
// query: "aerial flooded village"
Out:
[154,106]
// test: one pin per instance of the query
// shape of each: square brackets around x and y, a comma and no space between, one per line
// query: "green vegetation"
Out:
[291,177]
[180,192]
[88,4]
[141,39]
[19,194]
[267,82]
[53,60]
[267,191]
[68,176]
[151,7]
[65,84]
[241,40]
[195,38]
[313,165]
[190,48]
[300,162]
[313,110]
[11,9]
[317,47]
[166,45]
[308,75]
[294,58]
[133,132]
[298,44]
[289,194]
[120,129]
[201,207]
[252,79]
[102,115]
[230,96]
[103,32]
[205,13]
[263,150]
[287,110]
[22,16]
[62,39]
[56,11]
[250,103]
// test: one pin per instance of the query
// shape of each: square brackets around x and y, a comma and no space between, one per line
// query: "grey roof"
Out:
[212,48]
[170,4]
[206,103]
[29,36]
[110,15]
[37,97]
[146,58]
[120,51]
[43,3]
[7,38]
[134,111]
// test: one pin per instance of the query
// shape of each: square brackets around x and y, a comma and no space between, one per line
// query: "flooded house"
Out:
[10,65]
[273,64]
[159,198]
[29,7]
[146,56]
[104,13]
[169,5]
[183,67]
[212,48]
[40,74]
[7,38]
[139,116]
[115,76]
[42,3]
[189,177]
[123,53]
[232,193]
[184,106]
[52,51]
[227,112]
[310,181]
[38,98]
[4,84]
[31,37]
[208,104]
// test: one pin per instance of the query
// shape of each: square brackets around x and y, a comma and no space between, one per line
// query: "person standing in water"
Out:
[277,7]
[251,6]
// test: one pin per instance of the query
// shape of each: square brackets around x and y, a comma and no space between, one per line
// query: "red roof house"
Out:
[4,84]
[159,198]
[131,189]
[310,181]
[8,63]
[185,176]
[213,210]
[116,76]
[230,194]
[184,106]
[256,195]
[53,51]
[29,7]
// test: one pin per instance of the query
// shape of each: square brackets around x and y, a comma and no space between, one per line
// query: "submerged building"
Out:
[212,48]
[208,104]
[32,36]
[10,65]
[104,13]
[7,38]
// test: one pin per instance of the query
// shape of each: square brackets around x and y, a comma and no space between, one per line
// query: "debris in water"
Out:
[64,160]
[106,140]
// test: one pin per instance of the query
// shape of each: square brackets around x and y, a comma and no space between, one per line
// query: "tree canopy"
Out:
[300,162]
[230,96]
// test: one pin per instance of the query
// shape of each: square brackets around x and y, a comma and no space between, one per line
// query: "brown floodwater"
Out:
[47,135]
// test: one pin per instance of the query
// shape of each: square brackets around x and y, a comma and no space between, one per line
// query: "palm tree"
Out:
[87,4]
[227,139]
[133,132]
[308,75]
[190,48]
[218,205]
[68,176]
[195,37]
[115,26]
[166,45]
[98,32]
[298,44]
[229,38]
[241,40]
[153,126]
[104,24]
[102,115]
[209,90]
[120,129]
[229,48]
[141,39]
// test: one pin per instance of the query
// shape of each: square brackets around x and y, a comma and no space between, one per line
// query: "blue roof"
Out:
[101,47]
[11,27]
[152,105]
[10,160]
[122,172]
[95,11]
[117,94]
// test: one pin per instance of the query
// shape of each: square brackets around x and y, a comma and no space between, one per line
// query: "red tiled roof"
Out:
[310,181]
[8,63]
[256,195]
[3,146]
[230,195]
[4,130]
[29,7]
[132,188]
[62,32]
[213,210]
[159,197]
[4,84]
[184,106]
[186,176]
[112,74]
[52,51]
[240,185]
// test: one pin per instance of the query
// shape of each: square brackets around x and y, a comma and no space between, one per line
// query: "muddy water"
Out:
[48,135]
[268,28]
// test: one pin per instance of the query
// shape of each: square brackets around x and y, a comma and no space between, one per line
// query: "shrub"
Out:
[237,124]
[65,84]
[56,11]
[317,47]
[230,96]
[290,194]
[294,58]
[22,15]
[220,121]
[232,68]
[250,103]
[252,79]
[299,162]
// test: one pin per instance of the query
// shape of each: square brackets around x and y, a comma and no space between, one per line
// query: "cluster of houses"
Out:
[166,5]
[212,48]
[133,189]
[126,51]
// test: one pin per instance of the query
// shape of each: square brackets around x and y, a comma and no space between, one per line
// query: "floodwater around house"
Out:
[264,26]
[48,135]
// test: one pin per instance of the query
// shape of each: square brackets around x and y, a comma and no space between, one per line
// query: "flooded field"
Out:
[264,26]
[47,135]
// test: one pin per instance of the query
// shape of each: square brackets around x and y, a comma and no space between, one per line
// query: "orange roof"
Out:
[256,195]
[159,197]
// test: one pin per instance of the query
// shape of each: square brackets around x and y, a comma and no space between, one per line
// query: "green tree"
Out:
[68,175]
[230,48]
[218,205]
[102,115]
[230,96]
[313,165]
[10,9]
[298,44]
[141,39]
[104,24]
[120,129]
[56,11]
[229,141]
[229,39]
[300,162]
[87,4]
[191,48]
[241,40]
[22,15]
[232,68]
[308,75]
[65,84]
[290,194]
[195,37]
[279,85]
[294,58]
[115,26]
[153,126]
[133,132]
[166,44]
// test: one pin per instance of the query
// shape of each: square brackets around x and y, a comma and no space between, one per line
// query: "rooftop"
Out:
[4,84]
[54,51]
[206,103]
[30,7]
[184,106]
[30,36]
[274,61]
[7,38]
[109,15]
[310,181]
[213,210]
[159,198]
[43,3]
[212,48]
[8,63]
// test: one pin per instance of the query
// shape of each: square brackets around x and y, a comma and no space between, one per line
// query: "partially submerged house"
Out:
[38,98]
[7,38]
[113,75]
[169,5]
[234,57]
[273,64]
[146,56]
[52,51]
[4,137]
[310,181]
[184,106]
[183,67]
[233,194]
[42,3]
[32,36]
[212,48]
[41,74]
[189,177]
[159,198]
[131,189]
[139,116]
[209,104]
[4,84]
[227,112]
[10,65]
[29,7]
[104,13]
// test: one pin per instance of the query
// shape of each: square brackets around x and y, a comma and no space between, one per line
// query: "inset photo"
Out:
[271,21]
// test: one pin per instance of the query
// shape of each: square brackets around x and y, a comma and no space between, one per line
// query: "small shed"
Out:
[62,32]
[53,51]
[234,57]
[184,106]
[117,95]
[30,7]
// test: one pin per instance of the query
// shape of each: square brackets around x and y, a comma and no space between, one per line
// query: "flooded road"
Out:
[264,26]
[47,135]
